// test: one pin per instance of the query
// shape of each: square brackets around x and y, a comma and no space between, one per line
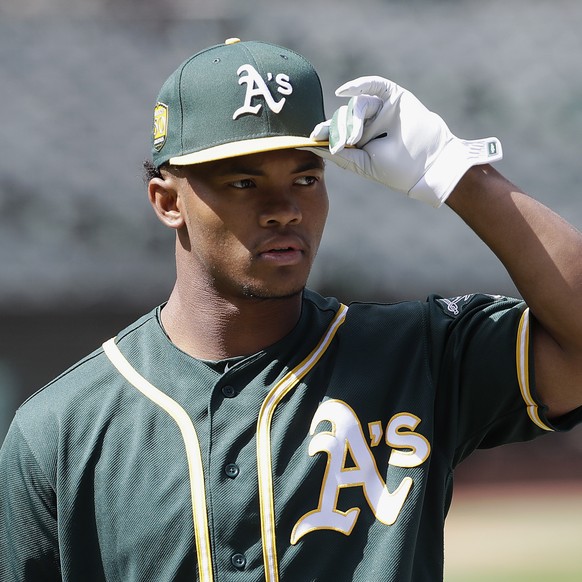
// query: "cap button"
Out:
[232,40]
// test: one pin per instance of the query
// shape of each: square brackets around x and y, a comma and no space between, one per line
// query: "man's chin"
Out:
[272,294]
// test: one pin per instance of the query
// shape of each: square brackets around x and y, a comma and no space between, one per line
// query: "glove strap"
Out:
[451,165]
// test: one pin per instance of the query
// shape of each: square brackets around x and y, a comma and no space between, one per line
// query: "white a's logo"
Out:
[256,87]
[346,440]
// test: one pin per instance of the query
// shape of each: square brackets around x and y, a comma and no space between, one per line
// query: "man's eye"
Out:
[242,184]
[306,180]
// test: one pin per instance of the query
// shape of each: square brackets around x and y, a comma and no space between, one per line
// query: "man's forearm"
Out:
[540,250]
[543,255]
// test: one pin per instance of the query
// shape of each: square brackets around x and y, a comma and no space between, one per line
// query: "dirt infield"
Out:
[514,533]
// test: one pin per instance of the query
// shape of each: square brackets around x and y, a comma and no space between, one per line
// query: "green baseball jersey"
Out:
[328,456]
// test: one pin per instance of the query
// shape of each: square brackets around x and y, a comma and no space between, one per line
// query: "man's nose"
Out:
[280,208]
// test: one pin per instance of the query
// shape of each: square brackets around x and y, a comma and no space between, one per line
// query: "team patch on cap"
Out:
[160,125]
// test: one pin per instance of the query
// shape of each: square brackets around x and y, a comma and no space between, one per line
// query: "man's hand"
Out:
[398,141]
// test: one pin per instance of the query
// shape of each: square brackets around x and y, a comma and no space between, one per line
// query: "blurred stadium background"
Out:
[81,253]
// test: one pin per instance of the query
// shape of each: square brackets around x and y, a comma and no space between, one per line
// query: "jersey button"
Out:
[232,470]
[228,391]
[239,561]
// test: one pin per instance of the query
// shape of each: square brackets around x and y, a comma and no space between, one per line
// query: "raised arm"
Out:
[398,142]
[543,255]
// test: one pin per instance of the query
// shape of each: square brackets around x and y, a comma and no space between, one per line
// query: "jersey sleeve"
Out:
[28,521]
[482,361]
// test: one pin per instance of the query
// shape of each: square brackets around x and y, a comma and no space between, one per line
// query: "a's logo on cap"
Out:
[160,125]
[257,87]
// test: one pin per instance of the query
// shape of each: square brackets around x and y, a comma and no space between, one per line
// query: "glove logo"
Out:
[257,87]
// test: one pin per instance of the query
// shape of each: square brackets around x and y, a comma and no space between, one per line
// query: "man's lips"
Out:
[281,243]
[282,250]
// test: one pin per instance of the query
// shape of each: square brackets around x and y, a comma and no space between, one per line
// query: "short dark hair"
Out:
[150,171]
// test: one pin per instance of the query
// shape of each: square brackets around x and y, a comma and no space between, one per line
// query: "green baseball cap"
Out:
[235,99]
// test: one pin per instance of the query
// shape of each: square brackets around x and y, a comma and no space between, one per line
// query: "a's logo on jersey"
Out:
[160,125]
[350,463]
[257,88]
[454,305]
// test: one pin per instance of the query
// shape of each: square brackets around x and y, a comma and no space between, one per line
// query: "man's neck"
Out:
[214,328]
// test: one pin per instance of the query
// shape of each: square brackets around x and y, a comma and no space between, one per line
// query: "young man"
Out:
[250,429]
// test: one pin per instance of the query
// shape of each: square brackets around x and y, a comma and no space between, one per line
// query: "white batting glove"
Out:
[399,142]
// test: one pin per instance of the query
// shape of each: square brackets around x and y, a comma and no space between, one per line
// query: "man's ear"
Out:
[165,201]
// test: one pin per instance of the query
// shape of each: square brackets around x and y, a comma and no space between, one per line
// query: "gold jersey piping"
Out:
[522,365]
[193,454]
[265,474]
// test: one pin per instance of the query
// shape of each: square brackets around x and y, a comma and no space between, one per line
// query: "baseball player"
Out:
[249,429]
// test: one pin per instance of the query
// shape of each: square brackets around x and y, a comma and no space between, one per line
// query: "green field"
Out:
[515,533]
